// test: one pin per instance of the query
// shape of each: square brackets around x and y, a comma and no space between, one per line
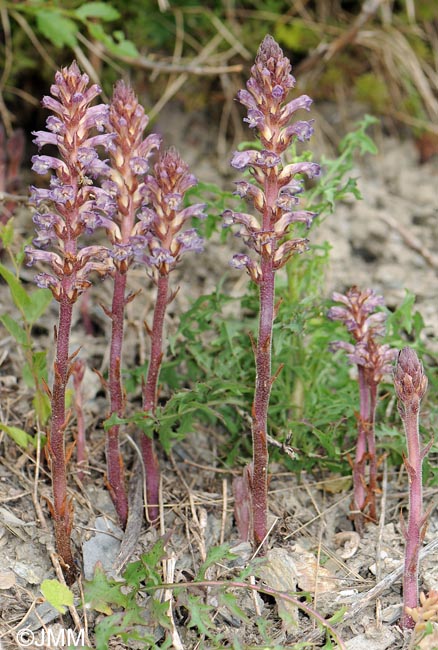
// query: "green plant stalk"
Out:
[150,390]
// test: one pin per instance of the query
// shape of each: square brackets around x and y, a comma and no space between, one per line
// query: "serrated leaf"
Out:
[215,554]
[100,10]
[58,29]
[101,592]
[107,628]
[20,437]
[14,329]
[230,602]
[57,594]
[200,615]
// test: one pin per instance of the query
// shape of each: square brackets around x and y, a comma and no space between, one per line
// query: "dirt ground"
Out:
[386,242]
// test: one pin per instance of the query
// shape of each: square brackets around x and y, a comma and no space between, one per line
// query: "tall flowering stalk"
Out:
[274,195]
[373,361]
[168,241]
[65,211]
[410,385]
[129,155]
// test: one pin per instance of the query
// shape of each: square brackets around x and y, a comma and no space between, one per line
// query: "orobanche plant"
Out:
[65,213]
[274,194]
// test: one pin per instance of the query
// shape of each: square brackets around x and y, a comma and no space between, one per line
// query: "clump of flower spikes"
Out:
[68,209]
[274,194]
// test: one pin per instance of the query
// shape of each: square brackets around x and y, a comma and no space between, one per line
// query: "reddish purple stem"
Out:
[78,369]
[62,507]
[116,472]
[361,446]
[150,389]
[416,520]
[261,403]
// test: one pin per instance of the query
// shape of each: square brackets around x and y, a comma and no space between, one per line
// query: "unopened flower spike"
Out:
[274,194]
[410,384]
[64,211]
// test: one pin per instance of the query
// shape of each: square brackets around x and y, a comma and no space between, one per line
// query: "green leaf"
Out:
[337,616]
[20,437]
[201,615]
[57,594]
[215,554]
[101,591]
[117,45]
[39,300]
[113,421]
[14,329]
[7,233]
[100,10]
[58,29]
[230,602]
[18,293]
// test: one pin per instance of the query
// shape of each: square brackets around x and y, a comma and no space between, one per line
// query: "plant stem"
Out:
[150,388]
[62,508]
[261,403]
[361,448]
[116,472]
[78,369]
[371,441]
[415,522]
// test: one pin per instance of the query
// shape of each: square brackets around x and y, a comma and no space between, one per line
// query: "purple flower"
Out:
[160,257]
[134,248]
[255,118]
[244,159]
[42,137]
[242,261]
[303,102]
[310,169]
[189,240]
[139,165]
[47,281]
[302,131]
[303,216]
[42,164]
